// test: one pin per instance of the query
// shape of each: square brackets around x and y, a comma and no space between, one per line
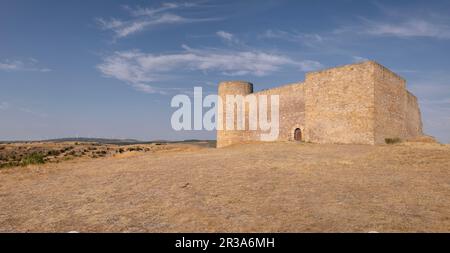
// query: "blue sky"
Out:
[110,68]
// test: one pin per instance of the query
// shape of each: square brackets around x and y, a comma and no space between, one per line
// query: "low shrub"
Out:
[54,152]
[392,140]
[9,164]
[33,158]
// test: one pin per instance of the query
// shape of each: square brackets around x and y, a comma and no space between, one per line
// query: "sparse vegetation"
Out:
[22,153]
[392,140]
[101,153]
[33,158]
[54,152]
[301,188]
[9,164]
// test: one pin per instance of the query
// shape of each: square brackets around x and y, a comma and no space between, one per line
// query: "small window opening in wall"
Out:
[298,134]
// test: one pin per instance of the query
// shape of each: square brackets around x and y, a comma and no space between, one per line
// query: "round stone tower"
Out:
[227,137]
[235,88]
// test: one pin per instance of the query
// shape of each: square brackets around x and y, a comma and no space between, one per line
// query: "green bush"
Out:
[103,152]
[53,152]
[34,158]
[9,164]
[392,140]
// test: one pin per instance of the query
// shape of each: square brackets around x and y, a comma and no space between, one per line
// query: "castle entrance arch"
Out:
[298,134]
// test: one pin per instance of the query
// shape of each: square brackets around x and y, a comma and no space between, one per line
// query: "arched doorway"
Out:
[298,134]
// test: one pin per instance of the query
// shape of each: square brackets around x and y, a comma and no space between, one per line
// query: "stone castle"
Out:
[362,103]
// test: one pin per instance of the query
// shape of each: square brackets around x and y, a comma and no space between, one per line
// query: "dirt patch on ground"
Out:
[276,187]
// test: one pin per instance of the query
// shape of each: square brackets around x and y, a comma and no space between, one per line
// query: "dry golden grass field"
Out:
[271,187]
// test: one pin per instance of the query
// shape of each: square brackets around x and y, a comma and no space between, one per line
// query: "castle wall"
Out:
[397,113]
[390,105]
[413,117]
[291,112]
[340,105]
[362,103]
[292,109]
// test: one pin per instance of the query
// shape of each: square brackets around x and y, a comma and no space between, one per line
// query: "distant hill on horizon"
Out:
[106,141]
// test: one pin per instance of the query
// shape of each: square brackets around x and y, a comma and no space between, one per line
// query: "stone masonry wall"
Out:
[397,113]
[413,117]
[291,112]
[340,105]
[362,103]
[227,137]
[390,105]
[292,109]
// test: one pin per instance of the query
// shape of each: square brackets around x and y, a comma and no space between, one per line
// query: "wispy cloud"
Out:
[139,11]
[309,39]
[409,28]
[30,64]
[359,58]
[401,23]
[142,69]
[7,106]
[125,28]
[228,37]
[33,112]
[4,105]
[141,19]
